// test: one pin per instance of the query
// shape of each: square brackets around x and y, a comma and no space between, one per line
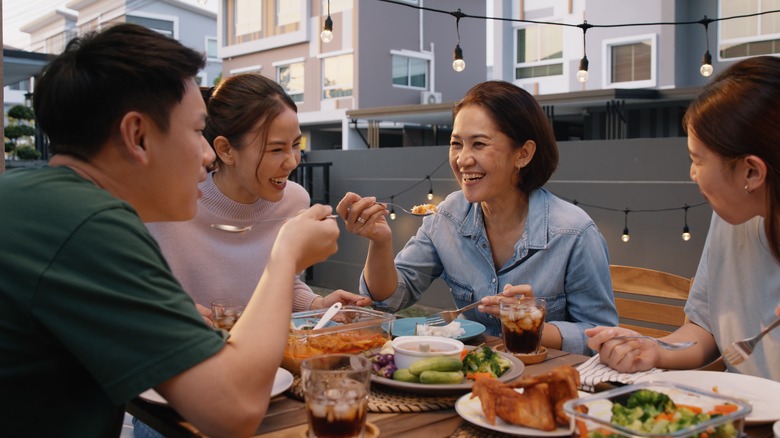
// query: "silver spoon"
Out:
[662,344]
[238,229]
[407,211]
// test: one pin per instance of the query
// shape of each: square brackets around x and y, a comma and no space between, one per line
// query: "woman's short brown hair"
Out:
[518,116]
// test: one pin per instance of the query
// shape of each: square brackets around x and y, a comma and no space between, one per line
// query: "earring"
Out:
[747,190]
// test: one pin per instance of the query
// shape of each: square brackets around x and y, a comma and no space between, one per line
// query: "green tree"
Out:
[20,129]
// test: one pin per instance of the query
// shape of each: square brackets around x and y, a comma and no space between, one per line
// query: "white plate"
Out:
[282,381]
[471,410]
[514,371]
[763,394]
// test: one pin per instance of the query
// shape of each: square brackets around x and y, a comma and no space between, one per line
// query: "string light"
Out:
[458,64]
[582,73]
[625,237]
[392,208]
[706,63]
[686,235]
[327,30]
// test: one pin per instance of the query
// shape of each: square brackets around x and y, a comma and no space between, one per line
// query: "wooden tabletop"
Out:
[286,416]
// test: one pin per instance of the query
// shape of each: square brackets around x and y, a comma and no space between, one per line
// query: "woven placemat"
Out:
[468,430]
[388,400]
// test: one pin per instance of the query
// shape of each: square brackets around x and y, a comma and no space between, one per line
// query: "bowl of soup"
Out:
[409,349]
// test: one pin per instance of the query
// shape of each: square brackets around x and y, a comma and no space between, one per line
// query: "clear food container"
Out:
[352,330]
[596,421]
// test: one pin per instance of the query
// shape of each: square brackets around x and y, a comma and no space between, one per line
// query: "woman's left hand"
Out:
[205,312]
[491,304]
[346,298]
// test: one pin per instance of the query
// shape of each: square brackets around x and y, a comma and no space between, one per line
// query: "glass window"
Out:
[288,12]
[164,27]
[631,62]
[337,76]
[749,36]
[410,71]
[290,77]
[538,49]
[248,16]
[211,48]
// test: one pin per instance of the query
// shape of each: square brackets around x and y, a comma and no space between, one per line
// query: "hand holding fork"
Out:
[738,351]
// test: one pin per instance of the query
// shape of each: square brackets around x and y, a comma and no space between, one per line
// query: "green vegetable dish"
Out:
[654,413]
[485,360]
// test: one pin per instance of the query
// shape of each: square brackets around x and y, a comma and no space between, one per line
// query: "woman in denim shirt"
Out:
[502,234]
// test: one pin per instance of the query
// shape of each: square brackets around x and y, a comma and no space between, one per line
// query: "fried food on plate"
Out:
[539,406]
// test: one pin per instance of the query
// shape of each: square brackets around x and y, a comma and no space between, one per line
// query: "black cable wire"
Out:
[458,14]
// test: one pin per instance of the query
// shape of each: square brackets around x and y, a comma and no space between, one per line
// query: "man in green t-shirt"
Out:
[90,314]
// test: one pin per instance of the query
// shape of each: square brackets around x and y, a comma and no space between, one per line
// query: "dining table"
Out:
[286,415]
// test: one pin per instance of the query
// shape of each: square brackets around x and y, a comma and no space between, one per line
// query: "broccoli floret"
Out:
[652,402]
[629,417]
[485,360]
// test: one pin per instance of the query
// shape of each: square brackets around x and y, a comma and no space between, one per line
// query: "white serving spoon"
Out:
[328,316]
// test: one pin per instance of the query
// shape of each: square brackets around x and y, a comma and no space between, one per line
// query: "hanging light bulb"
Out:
[706,65]
[686,234]
[625,237]
[392,214]
[706,62]
[582,73]
[430,187]
[458,64]
[430,195]
[327,31]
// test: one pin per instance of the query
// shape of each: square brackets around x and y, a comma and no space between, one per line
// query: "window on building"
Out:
[290,77]
[539,51]
[631,62]
[248,16]
[409,71]
[749,36]
[164,27]
[211,48]
[288,12]
[337,76]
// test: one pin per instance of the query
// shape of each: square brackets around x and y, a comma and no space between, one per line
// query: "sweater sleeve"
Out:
[303,296]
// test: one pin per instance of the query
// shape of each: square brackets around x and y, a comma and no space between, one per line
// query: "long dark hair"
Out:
[738,114]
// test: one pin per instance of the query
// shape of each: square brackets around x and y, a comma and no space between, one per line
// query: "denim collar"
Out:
[536,230]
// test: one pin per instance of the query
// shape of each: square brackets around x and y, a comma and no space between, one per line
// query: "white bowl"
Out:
[406,349]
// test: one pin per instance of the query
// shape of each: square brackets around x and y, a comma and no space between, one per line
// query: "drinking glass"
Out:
[335,389]
[225,312]
[522,320]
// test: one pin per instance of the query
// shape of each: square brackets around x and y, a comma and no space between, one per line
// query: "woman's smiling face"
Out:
[483,159]
[719,183]
[281,155]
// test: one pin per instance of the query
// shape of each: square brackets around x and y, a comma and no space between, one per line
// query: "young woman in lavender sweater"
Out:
[253,127]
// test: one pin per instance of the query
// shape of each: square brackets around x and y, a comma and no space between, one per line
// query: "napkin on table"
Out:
[593,372]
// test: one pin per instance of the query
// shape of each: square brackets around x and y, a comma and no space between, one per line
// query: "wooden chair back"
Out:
[649,301]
